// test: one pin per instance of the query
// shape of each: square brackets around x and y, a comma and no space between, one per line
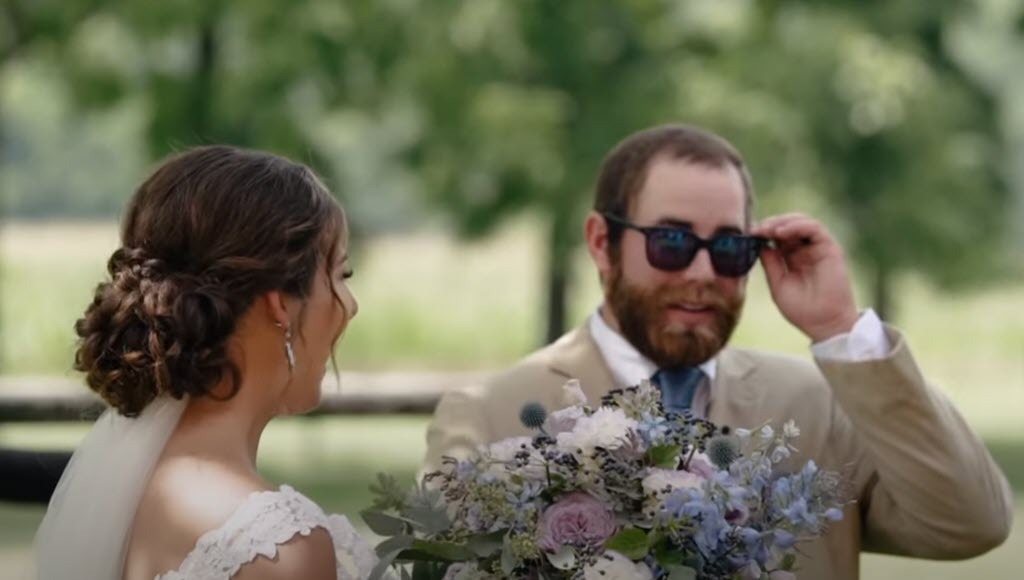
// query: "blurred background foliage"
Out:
[900,120]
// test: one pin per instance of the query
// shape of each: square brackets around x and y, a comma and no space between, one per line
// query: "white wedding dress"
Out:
[261,524]
[87,526]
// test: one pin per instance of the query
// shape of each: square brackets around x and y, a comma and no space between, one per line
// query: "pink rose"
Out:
[575,519]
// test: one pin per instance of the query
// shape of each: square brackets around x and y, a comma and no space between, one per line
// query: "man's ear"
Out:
[595,231]
[276,304]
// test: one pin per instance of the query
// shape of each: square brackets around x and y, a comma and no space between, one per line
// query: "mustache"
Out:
[700,294]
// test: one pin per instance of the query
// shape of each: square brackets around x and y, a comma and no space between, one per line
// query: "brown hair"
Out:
[624,170]
[207,233]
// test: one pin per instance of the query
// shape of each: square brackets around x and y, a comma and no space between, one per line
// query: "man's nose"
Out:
[700,269]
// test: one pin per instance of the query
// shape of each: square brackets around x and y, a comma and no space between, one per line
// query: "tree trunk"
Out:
[202,90]
[559,275]
[883,292]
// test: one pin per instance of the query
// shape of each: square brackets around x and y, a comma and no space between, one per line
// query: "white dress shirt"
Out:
[865,341]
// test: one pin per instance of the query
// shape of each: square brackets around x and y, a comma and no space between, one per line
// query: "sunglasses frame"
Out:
[701,243]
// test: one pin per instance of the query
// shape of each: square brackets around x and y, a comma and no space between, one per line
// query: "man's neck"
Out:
[609,318]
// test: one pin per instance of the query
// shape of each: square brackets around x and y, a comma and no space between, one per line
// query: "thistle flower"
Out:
[532,415]
[723,450]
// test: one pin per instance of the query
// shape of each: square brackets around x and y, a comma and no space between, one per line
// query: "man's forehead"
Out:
[685,191]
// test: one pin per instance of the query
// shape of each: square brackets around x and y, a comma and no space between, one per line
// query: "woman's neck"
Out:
[224,431]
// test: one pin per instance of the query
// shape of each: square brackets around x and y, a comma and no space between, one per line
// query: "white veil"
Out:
[87,526]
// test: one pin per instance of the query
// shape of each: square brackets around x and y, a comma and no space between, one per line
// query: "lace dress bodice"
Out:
[262,523]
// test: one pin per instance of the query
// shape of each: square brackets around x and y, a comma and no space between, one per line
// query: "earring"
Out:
[289,351]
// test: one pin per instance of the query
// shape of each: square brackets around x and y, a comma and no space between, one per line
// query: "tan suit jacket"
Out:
[924,484]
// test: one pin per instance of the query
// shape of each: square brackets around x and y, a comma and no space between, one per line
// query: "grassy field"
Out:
[428,302]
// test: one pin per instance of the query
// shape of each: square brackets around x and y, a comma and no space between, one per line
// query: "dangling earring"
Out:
[289,351]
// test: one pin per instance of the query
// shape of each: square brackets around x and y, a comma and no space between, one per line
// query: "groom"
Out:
[672,237]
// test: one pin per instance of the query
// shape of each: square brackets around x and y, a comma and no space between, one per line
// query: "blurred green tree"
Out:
[490,108]
[907,141]
[865,105]
[521,101]
[253,73]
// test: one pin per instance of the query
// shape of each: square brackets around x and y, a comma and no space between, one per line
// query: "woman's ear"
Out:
[276,304]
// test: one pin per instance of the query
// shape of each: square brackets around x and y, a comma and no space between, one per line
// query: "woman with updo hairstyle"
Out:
[221,311]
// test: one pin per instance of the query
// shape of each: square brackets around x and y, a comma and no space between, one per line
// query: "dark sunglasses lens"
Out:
[734,256]
[671,249]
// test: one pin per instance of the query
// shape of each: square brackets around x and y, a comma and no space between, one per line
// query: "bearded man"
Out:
[672,237]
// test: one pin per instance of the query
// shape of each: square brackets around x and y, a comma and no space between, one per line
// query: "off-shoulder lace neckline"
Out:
[260,523]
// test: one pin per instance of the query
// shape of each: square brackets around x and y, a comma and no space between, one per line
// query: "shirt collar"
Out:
[627,365]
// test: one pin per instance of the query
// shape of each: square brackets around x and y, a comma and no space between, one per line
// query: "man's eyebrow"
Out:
[728,231]
[674,223]
[683,224]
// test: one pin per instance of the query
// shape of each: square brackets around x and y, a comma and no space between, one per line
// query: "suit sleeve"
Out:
[928,487]
[459,426]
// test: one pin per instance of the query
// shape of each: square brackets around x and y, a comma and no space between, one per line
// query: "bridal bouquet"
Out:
[623,490]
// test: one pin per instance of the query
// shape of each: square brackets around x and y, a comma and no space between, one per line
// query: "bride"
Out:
[223,306]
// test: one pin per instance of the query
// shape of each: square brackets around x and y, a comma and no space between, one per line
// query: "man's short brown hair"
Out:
[624,170]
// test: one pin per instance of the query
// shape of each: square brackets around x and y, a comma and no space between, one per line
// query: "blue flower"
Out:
[783,539]
[654,430]
[526,495]
[751,538]
[466,470]
[799,514]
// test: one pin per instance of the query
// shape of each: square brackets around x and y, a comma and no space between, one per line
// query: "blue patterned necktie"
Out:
[678,386]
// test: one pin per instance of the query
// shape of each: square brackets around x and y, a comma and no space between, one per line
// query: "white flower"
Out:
[504,452]
[790,430]
[612,564]
[750,572]
[572,394]
[465,571]
[563,420]
[767,432]
[779,454]
[607,427]
[743,434]
[506,449]
[660,480]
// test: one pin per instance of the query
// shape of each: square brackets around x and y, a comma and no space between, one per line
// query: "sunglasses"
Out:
[673,248]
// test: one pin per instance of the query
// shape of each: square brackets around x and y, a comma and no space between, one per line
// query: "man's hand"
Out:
[807,276]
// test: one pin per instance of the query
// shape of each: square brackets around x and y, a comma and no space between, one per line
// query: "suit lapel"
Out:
[576,356]
[734,396]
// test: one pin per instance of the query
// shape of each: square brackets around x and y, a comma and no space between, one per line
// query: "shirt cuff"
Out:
[865,341]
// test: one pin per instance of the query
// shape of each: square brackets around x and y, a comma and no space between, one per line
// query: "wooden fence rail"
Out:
[33,399]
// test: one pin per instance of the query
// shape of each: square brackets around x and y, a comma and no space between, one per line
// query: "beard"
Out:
[641,316]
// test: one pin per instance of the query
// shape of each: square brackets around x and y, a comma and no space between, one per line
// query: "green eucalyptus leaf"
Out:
[631,543]
[788,562]
[395,544]
[508,562]
[386,559]
[433,551]
[486,545]
[678,572]
[382,524]
[664,456]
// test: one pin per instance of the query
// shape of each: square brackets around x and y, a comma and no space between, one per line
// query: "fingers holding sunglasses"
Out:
[800,239]
[808,279]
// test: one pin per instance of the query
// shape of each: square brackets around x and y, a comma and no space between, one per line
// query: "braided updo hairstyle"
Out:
[212,229]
